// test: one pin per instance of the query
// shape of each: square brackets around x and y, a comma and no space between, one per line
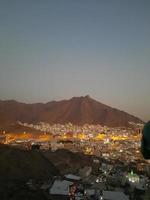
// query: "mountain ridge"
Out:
[77,110]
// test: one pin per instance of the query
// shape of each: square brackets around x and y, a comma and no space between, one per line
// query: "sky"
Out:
[57,49]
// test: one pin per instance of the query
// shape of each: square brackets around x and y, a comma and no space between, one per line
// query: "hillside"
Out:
[16,164]
[77,110]
[22,165]
[68,162]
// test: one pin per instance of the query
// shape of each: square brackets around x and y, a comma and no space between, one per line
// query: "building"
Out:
[71,177]
[136,181]
[60,187]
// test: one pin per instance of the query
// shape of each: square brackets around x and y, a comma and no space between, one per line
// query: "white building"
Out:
[60,187]
[72,177]
[55,146]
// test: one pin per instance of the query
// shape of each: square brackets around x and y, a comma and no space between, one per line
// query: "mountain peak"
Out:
[88,96]
[82,97]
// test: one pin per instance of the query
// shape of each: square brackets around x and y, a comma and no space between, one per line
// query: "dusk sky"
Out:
[57,49]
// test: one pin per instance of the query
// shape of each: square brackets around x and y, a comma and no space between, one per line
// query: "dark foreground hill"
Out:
[16,164]
[22,165]
[68,162]
[78,110]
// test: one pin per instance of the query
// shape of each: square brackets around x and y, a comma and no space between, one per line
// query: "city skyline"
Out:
[54,50]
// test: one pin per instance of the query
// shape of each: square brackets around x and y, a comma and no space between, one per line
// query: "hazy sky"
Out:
[56,49]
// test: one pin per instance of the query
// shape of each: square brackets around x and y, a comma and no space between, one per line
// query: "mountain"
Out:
[77,110]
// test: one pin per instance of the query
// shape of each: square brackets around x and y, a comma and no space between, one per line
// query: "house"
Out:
[60,187]
[72,177]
